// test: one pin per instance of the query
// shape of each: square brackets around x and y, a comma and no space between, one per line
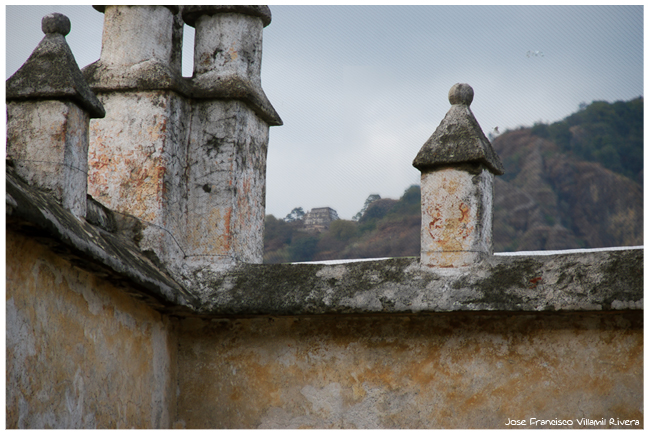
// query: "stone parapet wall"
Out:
[108,251]
[598,280]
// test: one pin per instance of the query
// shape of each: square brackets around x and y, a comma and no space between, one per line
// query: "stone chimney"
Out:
[49,106]
[458,165]
[187,156]
[137,155]
[229,137]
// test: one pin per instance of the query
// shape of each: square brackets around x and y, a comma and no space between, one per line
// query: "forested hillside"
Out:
[610,134]
[388,227]
[576,183]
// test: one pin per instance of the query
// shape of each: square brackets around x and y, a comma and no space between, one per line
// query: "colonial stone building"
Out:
[319,219]
[136,298]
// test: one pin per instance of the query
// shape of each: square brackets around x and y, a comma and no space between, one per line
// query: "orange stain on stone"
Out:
[464,210]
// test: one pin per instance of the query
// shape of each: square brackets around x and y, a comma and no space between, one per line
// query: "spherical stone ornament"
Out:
[55,23]
[461,93]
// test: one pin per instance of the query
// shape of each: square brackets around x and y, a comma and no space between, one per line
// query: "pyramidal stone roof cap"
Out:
[51,72]
[458,138]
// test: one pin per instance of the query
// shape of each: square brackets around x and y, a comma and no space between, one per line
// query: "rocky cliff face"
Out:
[550,200]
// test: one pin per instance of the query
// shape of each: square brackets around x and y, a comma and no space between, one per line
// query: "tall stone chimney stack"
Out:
[458,165]
[187,156]
[49,106]
[229,137]
[137,153]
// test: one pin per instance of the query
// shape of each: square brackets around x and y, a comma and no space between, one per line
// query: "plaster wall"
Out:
[81,353]
[447,370]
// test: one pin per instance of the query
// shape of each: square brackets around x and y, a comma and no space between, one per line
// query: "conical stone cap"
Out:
[51,72]
[459,138]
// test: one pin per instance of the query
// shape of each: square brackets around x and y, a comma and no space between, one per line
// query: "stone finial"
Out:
[55,23]
[137,154]
[458,138]
[51,72]
[229,137]
[136,34]
[186,156]
[461,93]
[458,165]
[49,106]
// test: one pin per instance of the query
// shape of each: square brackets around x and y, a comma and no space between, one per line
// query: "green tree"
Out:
[277,233]
[408,204]
[540,130]
[296,214]
[303,248]
[372,198]
[343,230]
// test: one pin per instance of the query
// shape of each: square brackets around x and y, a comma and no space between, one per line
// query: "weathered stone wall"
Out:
[445,370]
[369,344]
[81,353]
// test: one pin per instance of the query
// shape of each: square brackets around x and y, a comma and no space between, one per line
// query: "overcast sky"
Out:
[361,88]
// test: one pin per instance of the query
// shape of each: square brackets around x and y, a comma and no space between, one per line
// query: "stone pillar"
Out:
[49,106]
[137,156]
[458,165]
[229,136]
